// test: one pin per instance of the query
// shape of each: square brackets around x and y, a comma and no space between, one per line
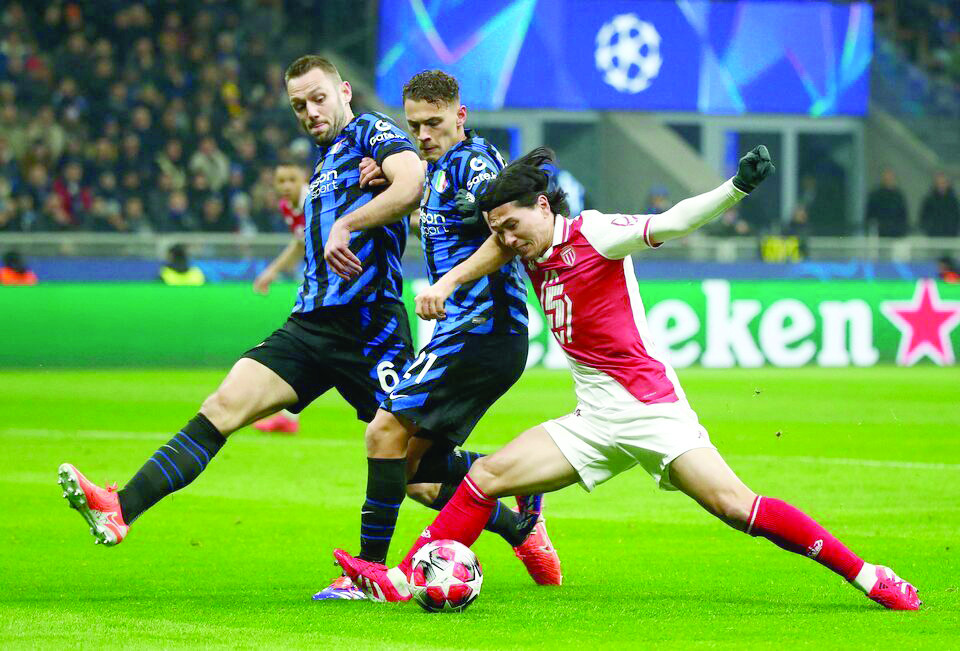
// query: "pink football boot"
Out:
[376,581]
[539,556]
[890,591]
[279,422]
[100,507]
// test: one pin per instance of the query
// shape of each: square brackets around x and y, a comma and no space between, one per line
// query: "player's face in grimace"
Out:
[321,103]
[526,230]
[287,181]
[436,127]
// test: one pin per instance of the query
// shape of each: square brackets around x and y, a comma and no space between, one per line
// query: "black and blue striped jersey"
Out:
[495,304]
[334,192]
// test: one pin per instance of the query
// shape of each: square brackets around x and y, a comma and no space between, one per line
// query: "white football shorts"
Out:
[602,443]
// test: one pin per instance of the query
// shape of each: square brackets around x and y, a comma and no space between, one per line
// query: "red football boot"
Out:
[376,581]
[100,507]
[539,556]
[890,591]
[279,423]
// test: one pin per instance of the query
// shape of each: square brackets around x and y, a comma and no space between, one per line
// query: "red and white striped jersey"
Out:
[590,296]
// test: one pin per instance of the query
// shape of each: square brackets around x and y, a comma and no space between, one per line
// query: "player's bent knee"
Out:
[487,474]
[385,439]
[222,411]
[426,494]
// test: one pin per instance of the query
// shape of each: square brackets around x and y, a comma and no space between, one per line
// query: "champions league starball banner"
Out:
[727,57]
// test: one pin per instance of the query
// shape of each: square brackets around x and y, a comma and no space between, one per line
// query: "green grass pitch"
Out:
[232,560]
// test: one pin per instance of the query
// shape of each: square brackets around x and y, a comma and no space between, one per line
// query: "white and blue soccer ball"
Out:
[446,576]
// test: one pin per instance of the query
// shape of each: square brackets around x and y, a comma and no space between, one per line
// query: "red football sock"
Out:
[795,531]
[462,519]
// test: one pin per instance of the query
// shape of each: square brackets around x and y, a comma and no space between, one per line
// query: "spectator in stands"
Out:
[9,217]
[211,162]
[53,216]
[658,200]
[241,214]
[15,271]
[135,216]
[178,270]
[799,227]
[106,216]
[79,82]
[45,129]
[730,225]
[887,207]
[102,157]
[9,170]
[74,194]
[171,164]
[947,270]
[940,212]
[213,217]
[13,130]
[179,217]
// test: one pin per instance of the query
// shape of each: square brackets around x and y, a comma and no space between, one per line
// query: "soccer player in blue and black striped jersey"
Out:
[348,327]
[480,349]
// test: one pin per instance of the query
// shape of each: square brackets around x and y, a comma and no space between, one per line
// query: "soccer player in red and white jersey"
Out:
[290,184]
[632,410]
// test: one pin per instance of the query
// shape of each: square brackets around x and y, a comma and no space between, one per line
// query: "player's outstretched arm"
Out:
[404,173]
[491,256]
[690,214]
[283,262]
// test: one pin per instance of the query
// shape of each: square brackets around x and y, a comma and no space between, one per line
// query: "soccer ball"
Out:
[446,576]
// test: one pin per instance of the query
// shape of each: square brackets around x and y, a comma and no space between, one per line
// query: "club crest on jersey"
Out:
[440,181]
[568,255]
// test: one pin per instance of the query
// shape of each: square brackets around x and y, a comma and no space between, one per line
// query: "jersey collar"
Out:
[559,236]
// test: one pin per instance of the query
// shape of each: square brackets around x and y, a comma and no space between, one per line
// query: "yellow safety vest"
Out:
[192,276]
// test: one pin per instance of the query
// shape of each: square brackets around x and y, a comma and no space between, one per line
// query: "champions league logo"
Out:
[628,53]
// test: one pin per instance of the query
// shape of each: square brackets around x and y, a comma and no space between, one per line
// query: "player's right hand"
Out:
[261,284]
[429,302]
[370,173]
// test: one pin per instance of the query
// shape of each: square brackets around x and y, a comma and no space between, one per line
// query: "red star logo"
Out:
[925,323]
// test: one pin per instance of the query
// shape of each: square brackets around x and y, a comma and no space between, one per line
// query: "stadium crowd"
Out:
[927,30]
[169,116]
[153,116]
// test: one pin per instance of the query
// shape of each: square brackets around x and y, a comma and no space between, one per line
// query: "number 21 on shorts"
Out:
[388,376]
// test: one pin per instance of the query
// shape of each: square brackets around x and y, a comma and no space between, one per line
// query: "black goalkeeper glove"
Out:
[468,206]
[754,167]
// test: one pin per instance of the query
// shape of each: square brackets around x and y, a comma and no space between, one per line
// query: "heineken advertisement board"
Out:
[712,323]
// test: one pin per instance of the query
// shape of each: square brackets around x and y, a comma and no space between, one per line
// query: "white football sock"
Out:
[866,578]
[399,581]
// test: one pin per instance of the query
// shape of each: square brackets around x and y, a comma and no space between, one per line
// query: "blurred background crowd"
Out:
[168,116]
[131,117]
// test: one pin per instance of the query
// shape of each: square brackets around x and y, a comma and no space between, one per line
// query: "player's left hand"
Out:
[430,301]
[753,169]
[370,173]
[468,206]
[338,255]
